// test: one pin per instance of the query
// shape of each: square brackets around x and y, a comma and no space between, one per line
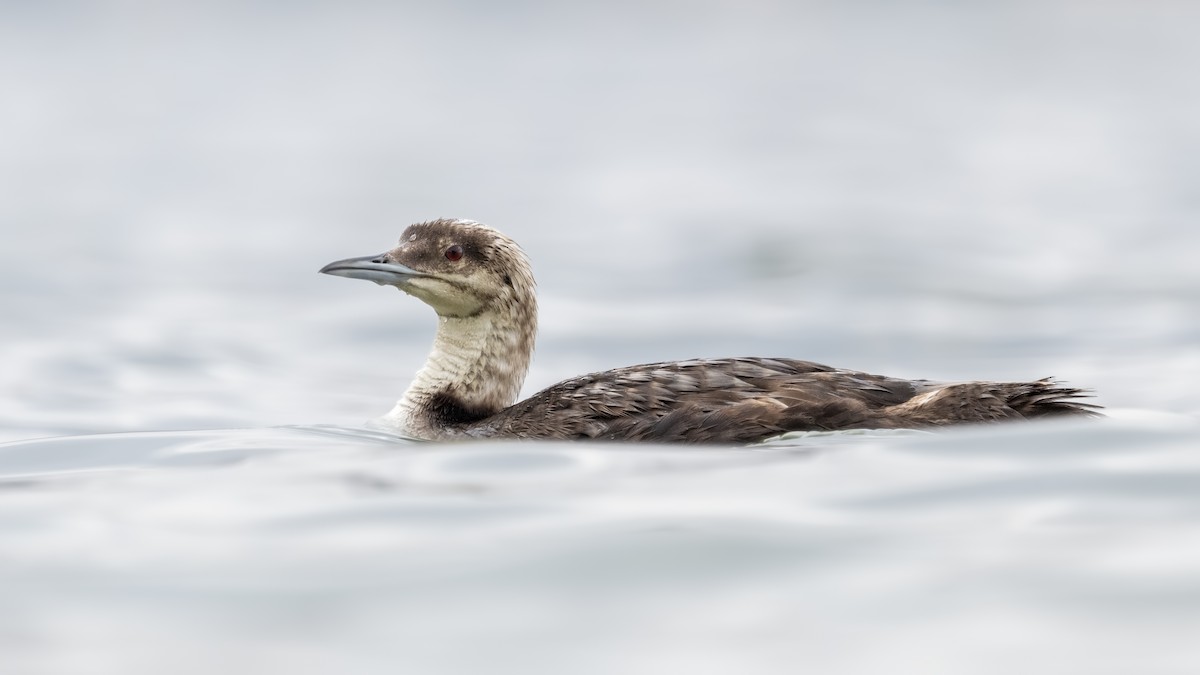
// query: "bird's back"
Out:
[744,400]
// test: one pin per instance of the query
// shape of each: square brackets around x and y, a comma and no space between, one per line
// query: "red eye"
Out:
[454,253]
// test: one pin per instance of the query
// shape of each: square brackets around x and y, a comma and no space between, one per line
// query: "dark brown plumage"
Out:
[480,283]
[744,400]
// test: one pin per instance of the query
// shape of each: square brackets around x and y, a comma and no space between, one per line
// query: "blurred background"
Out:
[943,190]
[926,189]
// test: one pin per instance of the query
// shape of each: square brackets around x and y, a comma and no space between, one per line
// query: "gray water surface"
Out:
[1041,548]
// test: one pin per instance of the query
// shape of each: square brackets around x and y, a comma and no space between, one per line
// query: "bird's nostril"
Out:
[380,259]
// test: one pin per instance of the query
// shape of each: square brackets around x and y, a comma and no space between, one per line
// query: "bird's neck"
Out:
[475,370]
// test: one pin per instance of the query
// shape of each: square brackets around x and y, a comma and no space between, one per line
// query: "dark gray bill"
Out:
[372,268]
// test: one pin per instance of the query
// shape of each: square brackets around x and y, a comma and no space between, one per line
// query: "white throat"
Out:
[477,362]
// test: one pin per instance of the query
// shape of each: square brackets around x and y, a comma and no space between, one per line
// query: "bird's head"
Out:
[460,268]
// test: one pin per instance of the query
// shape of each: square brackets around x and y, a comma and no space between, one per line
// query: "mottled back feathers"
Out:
[744,400]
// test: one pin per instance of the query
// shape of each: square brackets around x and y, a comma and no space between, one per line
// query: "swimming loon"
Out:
[480,284]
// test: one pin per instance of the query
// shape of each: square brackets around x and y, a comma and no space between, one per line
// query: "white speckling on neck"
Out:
[480,361]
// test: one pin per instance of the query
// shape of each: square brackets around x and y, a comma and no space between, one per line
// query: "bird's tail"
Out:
[1048,397]
[966,402]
